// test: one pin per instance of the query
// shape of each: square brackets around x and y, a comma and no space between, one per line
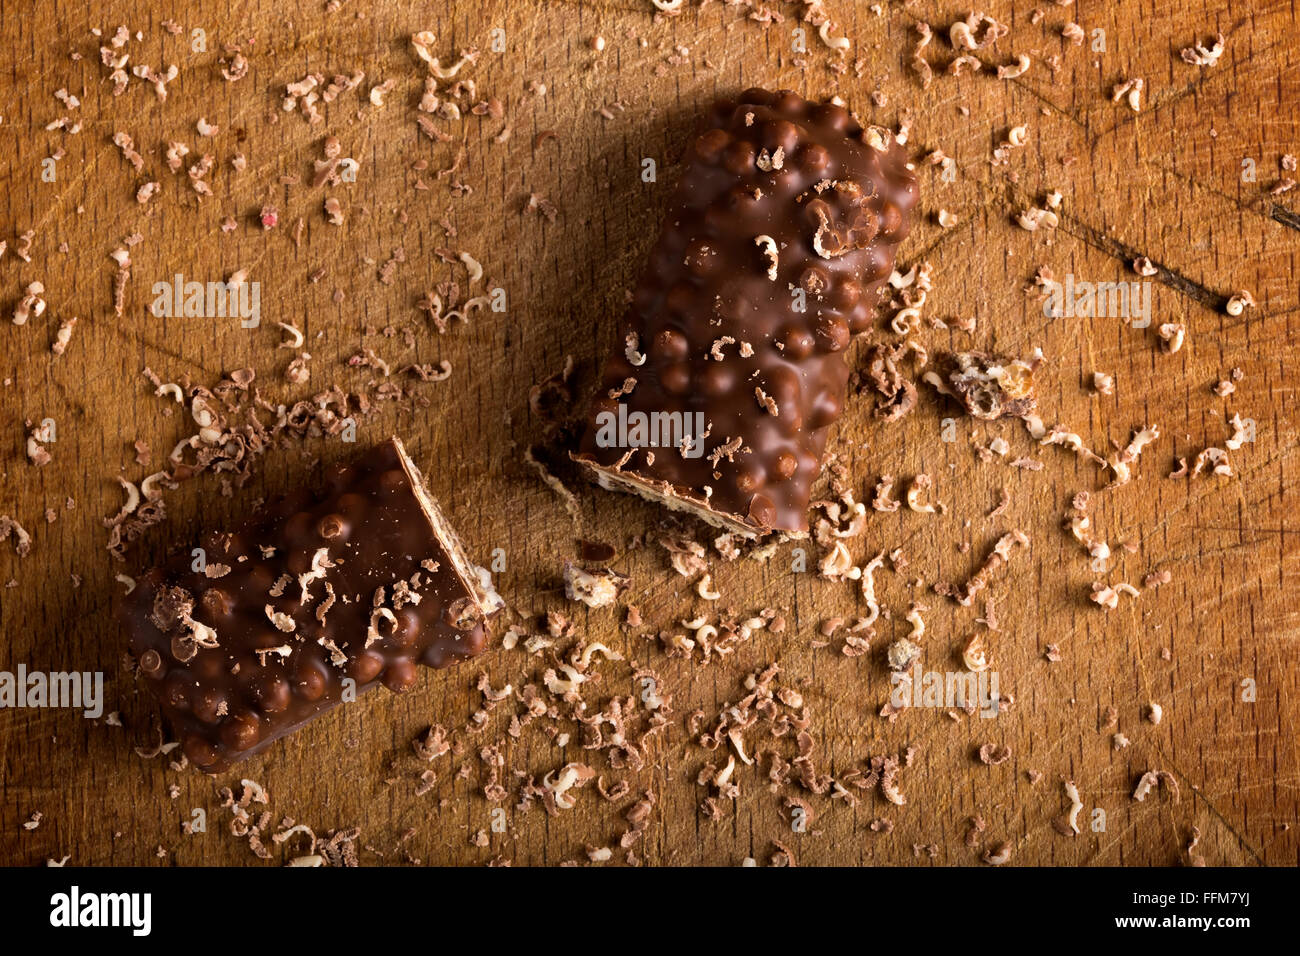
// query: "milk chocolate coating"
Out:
[806,177]
[376,541]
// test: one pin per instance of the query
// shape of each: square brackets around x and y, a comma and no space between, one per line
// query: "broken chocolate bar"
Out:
[730,365]
[264,629]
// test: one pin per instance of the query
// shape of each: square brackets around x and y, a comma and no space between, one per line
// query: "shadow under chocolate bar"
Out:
[357,583]
[730,366]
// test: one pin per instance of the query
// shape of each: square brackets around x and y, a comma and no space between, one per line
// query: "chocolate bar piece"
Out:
[317,595]
[730,365]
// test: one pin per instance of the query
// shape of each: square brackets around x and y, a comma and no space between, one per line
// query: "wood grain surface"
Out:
[1165,182]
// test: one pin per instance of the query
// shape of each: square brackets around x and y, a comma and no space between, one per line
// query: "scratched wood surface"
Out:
[1165,182]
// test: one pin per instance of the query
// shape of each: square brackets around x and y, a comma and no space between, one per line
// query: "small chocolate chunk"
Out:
[988,386]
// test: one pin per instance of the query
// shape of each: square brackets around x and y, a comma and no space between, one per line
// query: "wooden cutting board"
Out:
[1166,182]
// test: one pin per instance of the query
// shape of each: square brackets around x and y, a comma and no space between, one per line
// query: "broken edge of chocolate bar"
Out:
[476,578]
[261,630]
[729,368]
[670,496]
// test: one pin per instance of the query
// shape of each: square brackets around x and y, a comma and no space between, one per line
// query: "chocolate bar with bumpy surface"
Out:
[730,365]
[360,582]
